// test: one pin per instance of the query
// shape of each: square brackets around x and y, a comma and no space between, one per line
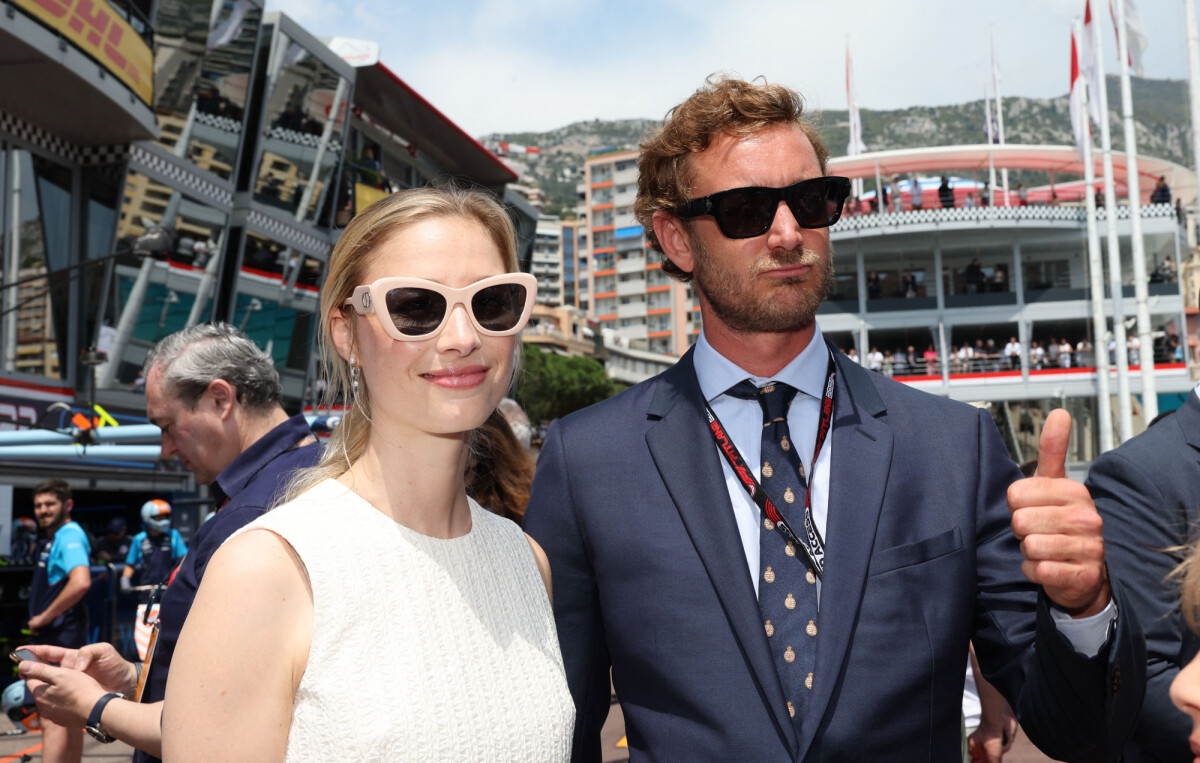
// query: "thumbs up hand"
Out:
[1059,528]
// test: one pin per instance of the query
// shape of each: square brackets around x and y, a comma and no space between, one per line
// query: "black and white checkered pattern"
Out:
[225,124]
[306,139]
[294,237]
[84,155]
[176,173]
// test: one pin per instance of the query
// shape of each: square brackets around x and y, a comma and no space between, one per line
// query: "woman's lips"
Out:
[458,378]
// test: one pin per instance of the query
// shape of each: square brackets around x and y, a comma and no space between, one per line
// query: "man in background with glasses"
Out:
[783,556]
[216,396]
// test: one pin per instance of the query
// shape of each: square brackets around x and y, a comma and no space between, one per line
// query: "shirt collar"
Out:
[806,372]
[234,478]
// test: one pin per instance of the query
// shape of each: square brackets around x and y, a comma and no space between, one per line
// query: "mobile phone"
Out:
[24,655]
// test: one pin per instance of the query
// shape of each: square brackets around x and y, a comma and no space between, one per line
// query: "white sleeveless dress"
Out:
[423,649]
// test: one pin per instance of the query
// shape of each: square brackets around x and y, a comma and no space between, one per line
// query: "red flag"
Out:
[1079,123]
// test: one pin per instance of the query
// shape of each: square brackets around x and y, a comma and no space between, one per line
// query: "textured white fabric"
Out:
[422,649]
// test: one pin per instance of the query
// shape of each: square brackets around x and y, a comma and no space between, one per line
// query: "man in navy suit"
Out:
[661,551]
[1148,492]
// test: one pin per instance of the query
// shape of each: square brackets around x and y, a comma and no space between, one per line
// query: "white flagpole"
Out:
[1114,248]
[1137,246]
[1193,48]
[1096,275]
[999,111]
[987,116]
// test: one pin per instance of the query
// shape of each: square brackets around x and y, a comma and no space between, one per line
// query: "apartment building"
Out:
[629,293]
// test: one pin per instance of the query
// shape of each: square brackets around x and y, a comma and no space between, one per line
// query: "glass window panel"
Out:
[202,61]
[155,297]
[305,116]
[38,195]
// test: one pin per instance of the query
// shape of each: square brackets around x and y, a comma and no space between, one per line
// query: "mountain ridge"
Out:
[1161,123]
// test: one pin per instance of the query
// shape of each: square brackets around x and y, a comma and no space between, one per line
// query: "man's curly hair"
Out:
[723,105]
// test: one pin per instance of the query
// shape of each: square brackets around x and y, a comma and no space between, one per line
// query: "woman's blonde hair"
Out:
[1187,574]
[353,255]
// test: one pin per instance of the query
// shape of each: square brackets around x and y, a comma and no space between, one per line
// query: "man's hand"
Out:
[100,661]
[64,696]
[37,622]
[988,745]
[1059,527]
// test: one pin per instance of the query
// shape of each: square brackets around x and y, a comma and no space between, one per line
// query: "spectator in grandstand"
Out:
[1064,353]
[966,358]
[1022,195]
[974,277]
[1012,353]
[946,194]
[1000,277]
[875,360]
[1161,193]
[1037,355]
[931,361]
[1133,346]
[969,202]
[914,190]
[1084,354]
[1051,349]
[420,315]
[156,549]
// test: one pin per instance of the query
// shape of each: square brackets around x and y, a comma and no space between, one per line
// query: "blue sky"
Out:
[509,65]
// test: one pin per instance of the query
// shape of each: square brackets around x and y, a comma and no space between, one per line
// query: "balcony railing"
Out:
[854,220]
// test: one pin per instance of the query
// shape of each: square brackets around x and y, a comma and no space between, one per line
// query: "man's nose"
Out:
[785,233]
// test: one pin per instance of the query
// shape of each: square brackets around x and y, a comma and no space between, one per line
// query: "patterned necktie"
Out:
[787,591]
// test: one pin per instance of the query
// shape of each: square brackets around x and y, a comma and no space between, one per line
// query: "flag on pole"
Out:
[1087,63]
[856,145]
[1138,39]
[1079,121]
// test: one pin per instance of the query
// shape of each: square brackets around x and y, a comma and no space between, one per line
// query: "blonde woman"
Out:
[381,614]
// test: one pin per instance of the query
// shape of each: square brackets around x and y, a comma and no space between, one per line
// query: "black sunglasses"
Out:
[749,212]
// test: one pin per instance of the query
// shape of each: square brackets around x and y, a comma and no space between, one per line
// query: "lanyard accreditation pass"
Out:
[813,544]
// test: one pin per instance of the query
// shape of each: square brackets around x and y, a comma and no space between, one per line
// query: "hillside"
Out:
[1160,110]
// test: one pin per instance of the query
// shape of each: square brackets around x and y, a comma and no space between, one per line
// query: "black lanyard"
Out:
[814,545]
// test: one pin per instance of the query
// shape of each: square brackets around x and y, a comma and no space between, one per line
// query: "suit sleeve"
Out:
[552,520]
[1141,525]
[1072,707]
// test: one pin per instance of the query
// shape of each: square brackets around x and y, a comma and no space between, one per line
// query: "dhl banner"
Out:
[99,31]
[366,195]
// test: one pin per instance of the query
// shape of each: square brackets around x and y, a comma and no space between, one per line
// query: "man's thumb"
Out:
[1052,447]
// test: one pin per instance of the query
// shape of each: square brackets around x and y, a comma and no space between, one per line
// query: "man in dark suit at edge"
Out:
[1148,492]
[669,571]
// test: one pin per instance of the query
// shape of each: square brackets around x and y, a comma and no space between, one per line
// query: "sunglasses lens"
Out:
[414,311]
[499,307]
[815,203]
[745,212]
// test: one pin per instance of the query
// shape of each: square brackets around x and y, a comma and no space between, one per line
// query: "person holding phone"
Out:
[426,616]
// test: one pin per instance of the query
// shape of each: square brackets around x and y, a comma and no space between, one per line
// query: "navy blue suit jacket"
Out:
[650,577]
[1148,491]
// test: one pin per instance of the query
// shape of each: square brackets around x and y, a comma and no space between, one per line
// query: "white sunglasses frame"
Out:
[364,297]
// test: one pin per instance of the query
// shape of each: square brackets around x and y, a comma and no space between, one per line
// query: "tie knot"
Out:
[774,397]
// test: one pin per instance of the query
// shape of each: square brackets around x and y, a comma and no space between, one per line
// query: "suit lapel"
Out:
[861,460]
[683,451]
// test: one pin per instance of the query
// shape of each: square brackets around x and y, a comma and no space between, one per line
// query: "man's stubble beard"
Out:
[734,301]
